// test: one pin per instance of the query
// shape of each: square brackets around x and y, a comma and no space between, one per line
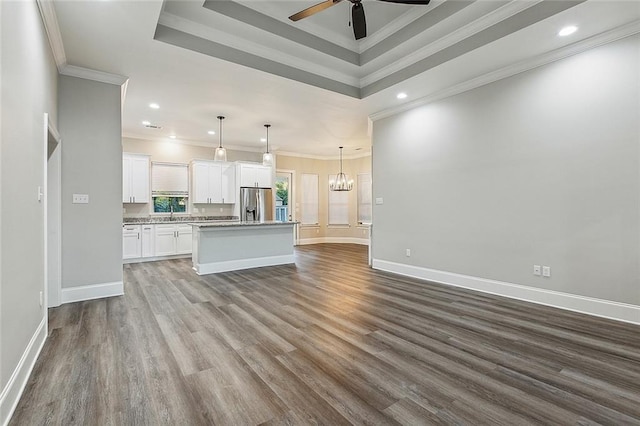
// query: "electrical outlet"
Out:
[80,198]
[379,200]
[408,252]
[537,270]
[546,271]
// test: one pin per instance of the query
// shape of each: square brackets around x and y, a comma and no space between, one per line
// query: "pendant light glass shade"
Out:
[221,152]
[267,157]
[342,181]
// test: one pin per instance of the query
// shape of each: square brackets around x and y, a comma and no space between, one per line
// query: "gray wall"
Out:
[28,79]
[540,168]
[90,127]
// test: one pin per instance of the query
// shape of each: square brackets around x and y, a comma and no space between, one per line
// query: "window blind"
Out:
[364,198]
[338,207]
[169,180]
[309,199]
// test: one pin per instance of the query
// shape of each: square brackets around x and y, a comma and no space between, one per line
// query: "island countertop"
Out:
[220,223]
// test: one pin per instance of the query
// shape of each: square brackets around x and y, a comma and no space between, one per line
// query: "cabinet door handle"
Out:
[138,235]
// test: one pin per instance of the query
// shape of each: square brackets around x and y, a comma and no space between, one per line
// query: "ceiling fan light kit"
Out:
[357,13]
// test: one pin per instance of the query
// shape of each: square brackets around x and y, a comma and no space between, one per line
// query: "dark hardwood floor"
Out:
[328,341]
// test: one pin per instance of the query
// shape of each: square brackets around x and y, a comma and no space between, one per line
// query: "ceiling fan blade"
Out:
[421,2]
[313,9]
[359,22]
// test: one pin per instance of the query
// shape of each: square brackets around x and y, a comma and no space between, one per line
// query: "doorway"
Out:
[53,216]
[285,203]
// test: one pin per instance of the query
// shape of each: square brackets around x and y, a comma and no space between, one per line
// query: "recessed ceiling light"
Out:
[263,139]
[567,30]
[401,95]
[154,106]
[146,123]
[172,136]
[211,132]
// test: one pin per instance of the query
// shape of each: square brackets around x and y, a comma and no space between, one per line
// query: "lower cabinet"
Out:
[146,241]
[131,242]
[148,238]
[173,239]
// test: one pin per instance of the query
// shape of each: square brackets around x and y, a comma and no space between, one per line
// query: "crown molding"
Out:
[50,20]
[89,74]
[610,36]
[322,157]
[190,142]
[261,50]
[394,26]
[462,33]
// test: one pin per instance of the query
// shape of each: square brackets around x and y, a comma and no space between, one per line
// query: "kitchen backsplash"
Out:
[142,210]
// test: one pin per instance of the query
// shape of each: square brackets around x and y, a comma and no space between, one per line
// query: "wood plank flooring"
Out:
[327,341]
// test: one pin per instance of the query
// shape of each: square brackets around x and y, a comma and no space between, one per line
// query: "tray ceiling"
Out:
[311,80]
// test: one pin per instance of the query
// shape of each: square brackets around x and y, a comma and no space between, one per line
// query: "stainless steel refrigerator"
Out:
[256,204]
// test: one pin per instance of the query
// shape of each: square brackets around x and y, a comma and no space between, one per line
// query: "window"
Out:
[364,198]
[309,199]
[338,206]
[169,187]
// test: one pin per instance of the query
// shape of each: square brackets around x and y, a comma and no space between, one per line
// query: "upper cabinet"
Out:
[135,178]
[213,182]
[255,175]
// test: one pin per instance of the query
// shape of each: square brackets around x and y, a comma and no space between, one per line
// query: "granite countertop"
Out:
[212,224]
[177,219]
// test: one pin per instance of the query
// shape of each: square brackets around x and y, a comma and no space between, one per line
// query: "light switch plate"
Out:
[537,270]
[80,198]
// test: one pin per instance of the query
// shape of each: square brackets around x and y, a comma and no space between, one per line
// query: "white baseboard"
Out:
[89,292]
[333,240]
[234,265]
[156,258]
[17,382]
[587,305]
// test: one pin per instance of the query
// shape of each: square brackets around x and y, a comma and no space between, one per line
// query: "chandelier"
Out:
[342,181]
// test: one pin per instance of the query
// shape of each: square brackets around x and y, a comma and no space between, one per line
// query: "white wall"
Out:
[29,81]
[540,168]
[90,127]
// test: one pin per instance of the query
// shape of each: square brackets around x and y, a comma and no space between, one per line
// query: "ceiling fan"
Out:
[357,13]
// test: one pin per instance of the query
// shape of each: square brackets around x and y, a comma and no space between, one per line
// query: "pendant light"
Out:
[267,157]
[221,152]
[342,181]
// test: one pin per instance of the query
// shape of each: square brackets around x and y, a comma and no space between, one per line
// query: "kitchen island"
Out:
[230,246]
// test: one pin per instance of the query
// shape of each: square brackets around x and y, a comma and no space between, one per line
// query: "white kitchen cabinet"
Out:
[147,240]
[255,175]
[131,242]
[135,178]
[184,239]
[213,182]
[172,239]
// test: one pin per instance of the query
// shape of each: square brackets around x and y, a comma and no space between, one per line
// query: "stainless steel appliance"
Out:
[256,204]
